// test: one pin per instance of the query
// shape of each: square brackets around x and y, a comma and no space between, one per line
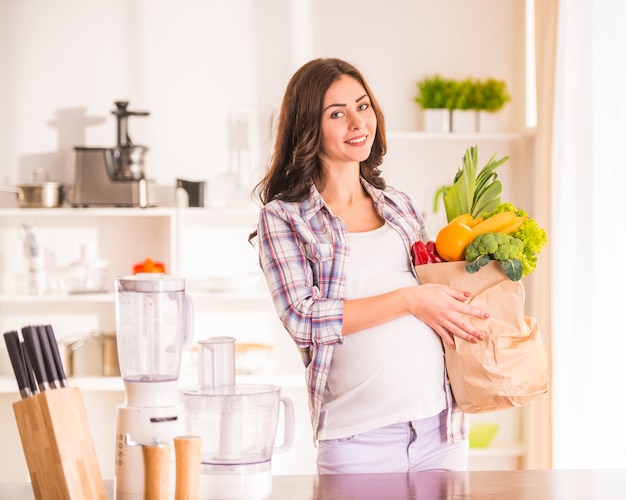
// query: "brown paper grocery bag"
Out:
[509,367]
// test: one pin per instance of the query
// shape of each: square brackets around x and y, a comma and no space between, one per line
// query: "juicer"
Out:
[113,176]
[154,319]
[238,425]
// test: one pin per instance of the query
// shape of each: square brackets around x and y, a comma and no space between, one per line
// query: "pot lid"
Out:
[35,184]
[39,178]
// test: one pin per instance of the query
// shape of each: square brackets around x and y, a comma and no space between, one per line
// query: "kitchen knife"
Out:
[16,356]
[48,360]
[32,382]
[33,351]
[56,355]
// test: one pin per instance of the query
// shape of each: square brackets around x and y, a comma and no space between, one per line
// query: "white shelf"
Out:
[87,212]
[497,457]
[214,215]
[200,297]
[218,216]
[456,136]
[8,385]
[508,450]
[284,380]
[204,297]
[51,299]
[104,384]
[97,384]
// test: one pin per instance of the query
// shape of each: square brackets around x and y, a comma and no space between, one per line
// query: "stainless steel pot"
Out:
[67,349]
[37,194]
[108,346]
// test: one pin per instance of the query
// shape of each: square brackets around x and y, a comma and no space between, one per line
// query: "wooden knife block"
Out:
[58,445]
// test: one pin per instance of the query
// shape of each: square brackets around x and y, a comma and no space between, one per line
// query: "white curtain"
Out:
[588,236]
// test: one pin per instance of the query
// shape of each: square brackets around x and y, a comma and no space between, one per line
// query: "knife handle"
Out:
[56,356]
[30,373]
[48,360]
[33,350]
[16,356]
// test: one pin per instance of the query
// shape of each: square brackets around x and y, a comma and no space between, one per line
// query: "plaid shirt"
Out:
[303,250]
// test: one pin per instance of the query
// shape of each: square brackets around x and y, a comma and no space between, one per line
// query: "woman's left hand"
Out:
[445,310]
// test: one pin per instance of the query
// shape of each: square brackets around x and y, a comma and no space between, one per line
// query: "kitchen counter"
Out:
[432,485]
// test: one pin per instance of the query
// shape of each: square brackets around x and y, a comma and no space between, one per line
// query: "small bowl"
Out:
[481,434]
[251,358]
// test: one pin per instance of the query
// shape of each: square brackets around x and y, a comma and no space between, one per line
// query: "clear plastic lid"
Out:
[150,283]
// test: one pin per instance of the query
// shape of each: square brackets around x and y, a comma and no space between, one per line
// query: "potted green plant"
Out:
[465,102]
[435,94]
[492,95]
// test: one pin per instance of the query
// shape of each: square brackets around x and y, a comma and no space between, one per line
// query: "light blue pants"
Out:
[404,447]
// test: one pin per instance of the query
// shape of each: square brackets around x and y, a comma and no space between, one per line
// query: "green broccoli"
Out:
[496,246]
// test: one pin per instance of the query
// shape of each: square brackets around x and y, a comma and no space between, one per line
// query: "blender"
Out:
[238,425]
[154,320]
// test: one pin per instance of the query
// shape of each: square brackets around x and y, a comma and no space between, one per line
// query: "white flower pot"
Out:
[436,120]
[490,122]
[464,120]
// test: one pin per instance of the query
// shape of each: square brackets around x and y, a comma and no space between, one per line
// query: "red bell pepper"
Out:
[420,254]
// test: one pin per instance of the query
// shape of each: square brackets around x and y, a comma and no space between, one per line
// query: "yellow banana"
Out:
[495,223]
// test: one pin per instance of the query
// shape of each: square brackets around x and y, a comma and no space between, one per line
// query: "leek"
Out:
[469,192]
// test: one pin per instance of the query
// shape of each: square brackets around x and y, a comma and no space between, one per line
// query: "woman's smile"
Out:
[358,141]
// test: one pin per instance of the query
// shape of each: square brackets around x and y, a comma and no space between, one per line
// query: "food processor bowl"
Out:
[238,426]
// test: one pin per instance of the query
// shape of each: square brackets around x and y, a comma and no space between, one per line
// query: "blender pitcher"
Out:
[238,425]
[154,320]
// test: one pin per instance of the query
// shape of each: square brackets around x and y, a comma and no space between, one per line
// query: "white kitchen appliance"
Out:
[154,319]
[238,425]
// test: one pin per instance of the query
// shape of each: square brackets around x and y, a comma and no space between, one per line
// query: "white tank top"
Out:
[390,373]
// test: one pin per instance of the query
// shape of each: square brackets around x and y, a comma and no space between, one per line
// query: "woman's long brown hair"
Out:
[295,161]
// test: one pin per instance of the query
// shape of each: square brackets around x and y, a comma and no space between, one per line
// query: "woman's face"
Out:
[348,123]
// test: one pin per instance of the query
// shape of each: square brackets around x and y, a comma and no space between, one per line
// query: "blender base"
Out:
[236,483]
[143,426]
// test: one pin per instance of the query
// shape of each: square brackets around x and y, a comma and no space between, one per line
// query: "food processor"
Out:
[238,425]
[154,320]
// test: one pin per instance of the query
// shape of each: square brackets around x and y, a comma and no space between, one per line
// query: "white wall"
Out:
[189,63]
[397,42]
[195,63]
